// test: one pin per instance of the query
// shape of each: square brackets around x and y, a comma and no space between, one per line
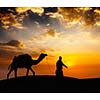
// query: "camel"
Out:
[24,61]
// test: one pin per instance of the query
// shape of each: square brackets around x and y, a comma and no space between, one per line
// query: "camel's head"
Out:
[40,58]
[43,55]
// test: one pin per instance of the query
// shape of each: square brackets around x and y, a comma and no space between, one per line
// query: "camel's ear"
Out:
[43,54]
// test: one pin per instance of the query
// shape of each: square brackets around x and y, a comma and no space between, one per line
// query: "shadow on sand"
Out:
[49,84]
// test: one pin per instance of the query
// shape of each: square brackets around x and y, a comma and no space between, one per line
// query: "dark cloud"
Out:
[89,17]
[50,9]
[35,21]
[70,14]
[14,43]
[34,17]
[5,10]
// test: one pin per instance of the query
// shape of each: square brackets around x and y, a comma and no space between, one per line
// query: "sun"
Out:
[69,60]
[69,64]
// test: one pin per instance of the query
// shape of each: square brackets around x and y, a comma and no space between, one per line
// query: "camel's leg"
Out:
[32,71]
[9,73]
[27,72]
[15,72]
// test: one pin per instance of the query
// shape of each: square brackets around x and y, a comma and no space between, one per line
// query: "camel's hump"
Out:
[24,56]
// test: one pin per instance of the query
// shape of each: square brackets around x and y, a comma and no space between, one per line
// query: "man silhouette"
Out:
[59,65]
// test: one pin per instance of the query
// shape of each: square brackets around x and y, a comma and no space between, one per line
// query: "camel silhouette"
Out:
[24,61]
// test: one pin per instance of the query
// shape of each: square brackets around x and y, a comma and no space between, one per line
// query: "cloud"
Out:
[89,17]
[38,16]
[14,43]
[8,20]
[5,10]
[70,14]
[50,9]
[51,32]
[38,10]
[85,15]
[34,22]
[26,22]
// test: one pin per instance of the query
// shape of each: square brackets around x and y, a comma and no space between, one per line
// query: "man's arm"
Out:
[64,65]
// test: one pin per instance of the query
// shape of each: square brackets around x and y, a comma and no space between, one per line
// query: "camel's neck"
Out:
[38,60]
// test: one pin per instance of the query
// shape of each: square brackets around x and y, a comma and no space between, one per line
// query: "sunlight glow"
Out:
[69,64]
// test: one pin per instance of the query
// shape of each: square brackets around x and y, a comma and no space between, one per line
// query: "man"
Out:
[59,65]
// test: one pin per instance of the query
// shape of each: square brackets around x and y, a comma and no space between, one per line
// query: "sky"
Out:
[73,33]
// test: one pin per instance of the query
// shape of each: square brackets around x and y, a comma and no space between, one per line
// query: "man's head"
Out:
[60,58]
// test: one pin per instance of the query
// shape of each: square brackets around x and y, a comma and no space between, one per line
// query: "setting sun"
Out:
[69,64]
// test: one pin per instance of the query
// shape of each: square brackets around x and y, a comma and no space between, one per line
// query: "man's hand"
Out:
[66,66]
